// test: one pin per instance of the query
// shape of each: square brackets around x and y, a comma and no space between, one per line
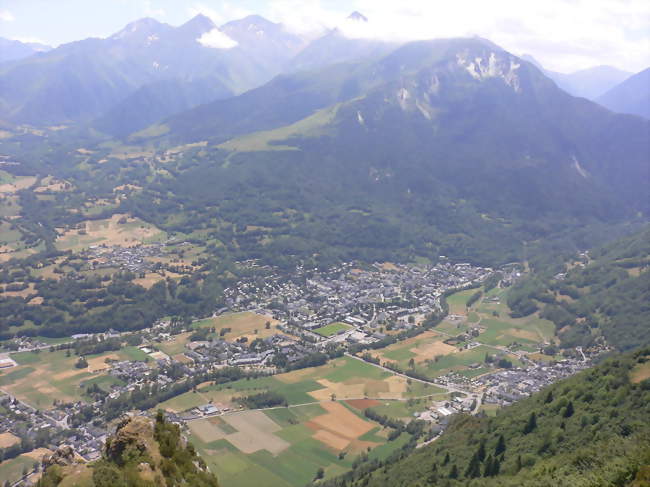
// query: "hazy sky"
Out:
[564,35]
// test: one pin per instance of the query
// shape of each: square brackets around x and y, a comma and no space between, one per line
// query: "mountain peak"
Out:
[197,25]
[144,26]
[357,16]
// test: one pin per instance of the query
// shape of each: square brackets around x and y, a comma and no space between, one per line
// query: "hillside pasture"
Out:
[244,324]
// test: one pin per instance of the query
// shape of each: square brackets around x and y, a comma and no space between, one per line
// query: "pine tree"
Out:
[474,467]
[519,465]
[501,446]
[453,473]
[531,424]
[446,460]
[568,412]
[496,466]
[488,467]
[481,451]
[549,397]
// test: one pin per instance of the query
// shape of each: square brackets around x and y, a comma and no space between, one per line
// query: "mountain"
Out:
[590,429]
[587,83]
[337,47]
[86,80]
[631,96]
[141,452]
[12,50]
[448,146]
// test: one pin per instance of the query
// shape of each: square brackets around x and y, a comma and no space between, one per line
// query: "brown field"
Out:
[108,232]
[338,427]
[428,351]
[388,266]
[38,454]
[52,185]
[23,294]
[526,334]
[152,278]
[363,403]
[206,431]
[255,432]
[21,182]
[243,325]
[7,440]
[99,363]
[640,373]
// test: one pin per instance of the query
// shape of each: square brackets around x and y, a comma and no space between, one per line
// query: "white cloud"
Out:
[217,40]
[565,35]
[151,11]
[6,16]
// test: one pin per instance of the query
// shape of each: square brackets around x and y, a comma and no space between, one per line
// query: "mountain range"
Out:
[631,96]
[12,50]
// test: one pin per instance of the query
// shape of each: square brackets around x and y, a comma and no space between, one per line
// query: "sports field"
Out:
[332,329]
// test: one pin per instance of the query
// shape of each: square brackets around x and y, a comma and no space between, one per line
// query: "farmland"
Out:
[119,229]
[40,378]
[284,447]
[345,378]
[238,325]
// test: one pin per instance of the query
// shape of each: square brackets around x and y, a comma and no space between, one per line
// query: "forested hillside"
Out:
[605,294]
[588,430]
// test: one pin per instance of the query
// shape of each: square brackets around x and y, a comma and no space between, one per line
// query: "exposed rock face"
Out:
[132,433]
[63,456]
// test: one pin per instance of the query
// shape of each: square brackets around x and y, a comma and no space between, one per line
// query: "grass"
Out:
[245,324]
[12,470]
[332,329]
[296,465]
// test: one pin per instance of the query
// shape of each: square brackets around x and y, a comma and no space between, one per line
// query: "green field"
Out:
[302,453]
[332,329]
[44,376]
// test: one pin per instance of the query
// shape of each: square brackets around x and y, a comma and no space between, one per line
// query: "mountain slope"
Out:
[140,453]
[451,146]
[587,83]
[631,96]
[12,50]
[80,81]
[588,430]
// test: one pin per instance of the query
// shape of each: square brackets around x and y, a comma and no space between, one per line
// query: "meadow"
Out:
[42,377]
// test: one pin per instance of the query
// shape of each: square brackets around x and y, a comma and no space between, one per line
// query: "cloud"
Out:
[217,40]
[564,35]
[6,16]
[151,11]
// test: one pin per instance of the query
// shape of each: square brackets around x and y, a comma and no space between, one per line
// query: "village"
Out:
[308,314]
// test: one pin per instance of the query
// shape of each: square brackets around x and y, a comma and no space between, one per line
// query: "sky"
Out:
[564,35]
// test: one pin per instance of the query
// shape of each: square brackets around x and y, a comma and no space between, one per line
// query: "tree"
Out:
[480,454]
[531,424]
[320,473]
[549,397]
[82,363]
[501,446]
[473,469]
[446,460]
[453,473]
[411,363]
[568,412]
[267,325]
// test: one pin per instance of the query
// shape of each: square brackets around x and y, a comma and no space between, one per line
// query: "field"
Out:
[284,447]
[7,440]
[640,373]
[117,230]
[345,378]
[12,470]
[332,329]
[245,324]
[40,378]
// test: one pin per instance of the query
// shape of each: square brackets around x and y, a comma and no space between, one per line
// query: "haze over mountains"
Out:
[150,70]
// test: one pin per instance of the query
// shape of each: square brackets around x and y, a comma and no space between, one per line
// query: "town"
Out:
[304,319]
